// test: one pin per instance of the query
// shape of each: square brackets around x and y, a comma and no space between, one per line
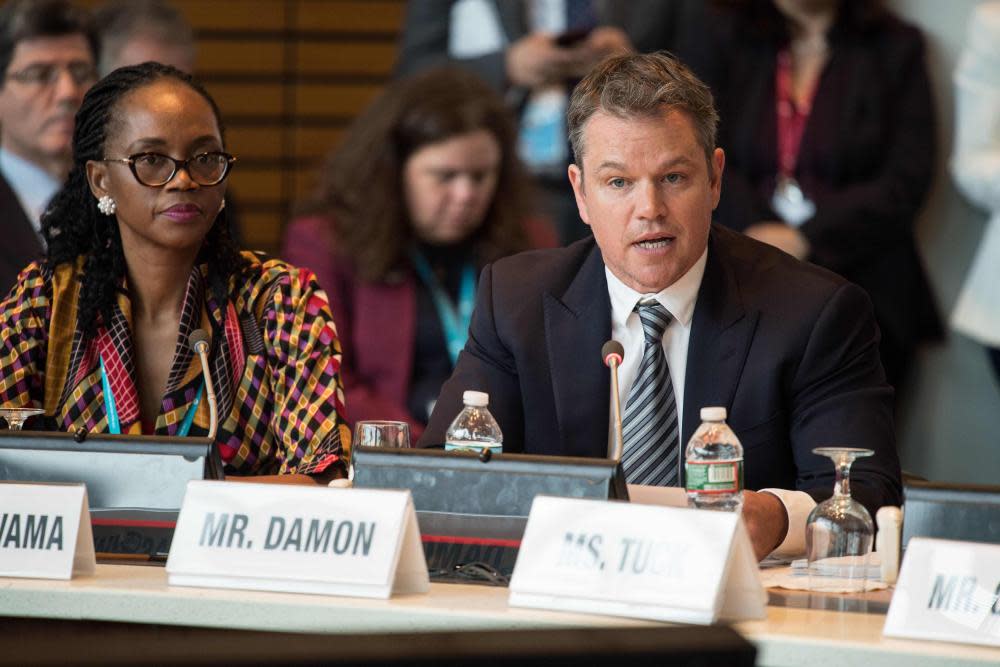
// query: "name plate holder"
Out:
[947,591]
[640,561]
[296,539]
[45,531]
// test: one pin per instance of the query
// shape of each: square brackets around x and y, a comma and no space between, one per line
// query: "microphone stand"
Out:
[198,340]
[612,352]
[617,444]
[213,406]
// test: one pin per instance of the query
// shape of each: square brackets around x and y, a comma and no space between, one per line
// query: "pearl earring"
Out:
[222,205]
[107,205]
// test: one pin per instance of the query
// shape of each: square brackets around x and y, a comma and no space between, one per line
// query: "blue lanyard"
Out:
[114,424]
[454,321]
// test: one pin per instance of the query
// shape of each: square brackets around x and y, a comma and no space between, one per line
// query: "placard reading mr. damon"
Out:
[317,540]
[298,534]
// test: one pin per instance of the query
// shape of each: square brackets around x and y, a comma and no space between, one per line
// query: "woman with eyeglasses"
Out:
[139,257]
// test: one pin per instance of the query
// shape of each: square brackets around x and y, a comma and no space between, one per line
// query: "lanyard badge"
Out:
[455,320]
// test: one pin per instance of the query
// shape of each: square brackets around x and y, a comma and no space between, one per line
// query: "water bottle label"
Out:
[714,476]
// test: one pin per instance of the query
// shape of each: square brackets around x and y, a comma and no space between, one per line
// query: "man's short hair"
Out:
[35,19]
[642,85]
[121,21]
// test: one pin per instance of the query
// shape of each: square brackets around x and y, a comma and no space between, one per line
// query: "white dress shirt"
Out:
[32,185]
[679,299]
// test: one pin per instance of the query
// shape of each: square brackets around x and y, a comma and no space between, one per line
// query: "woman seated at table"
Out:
[139,257]
[424,190]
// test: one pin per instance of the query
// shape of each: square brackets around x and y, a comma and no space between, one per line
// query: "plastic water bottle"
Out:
[713,465]
[474,429]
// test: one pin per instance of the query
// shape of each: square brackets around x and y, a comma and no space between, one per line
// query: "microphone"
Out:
[612,352]
[198,340]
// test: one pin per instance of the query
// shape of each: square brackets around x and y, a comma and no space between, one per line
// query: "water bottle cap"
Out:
[479,399]
[713,414]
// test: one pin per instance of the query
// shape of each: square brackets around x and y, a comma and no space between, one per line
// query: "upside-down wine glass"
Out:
[839,531]
[16,417]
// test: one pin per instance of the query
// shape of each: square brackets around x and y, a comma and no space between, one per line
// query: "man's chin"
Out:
[57,142]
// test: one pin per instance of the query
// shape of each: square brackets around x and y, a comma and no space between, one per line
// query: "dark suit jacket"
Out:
[867,158]
[21,245]
[791,350]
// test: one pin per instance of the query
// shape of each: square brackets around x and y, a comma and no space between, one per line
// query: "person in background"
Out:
[828,125]
[532,52]
[424,190]
[706,317]
[139,256]
[975,166]
[137,31]
[47,53]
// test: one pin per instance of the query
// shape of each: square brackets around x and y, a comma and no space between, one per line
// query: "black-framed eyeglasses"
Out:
[156,169]
[46,74]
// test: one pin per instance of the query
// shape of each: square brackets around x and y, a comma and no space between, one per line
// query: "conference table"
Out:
[848,631]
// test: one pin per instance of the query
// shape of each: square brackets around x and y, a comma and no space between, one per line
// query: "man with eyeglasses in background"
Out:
[48,51]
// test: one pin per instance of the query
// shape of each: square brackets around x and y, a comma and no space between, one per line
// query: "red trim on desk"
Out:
[135,523]
[484,541]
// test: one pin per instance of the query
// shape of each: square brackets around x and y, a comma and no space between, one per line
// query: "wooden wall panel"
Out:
[362,16]
[251,57]
[234,14]
[306,179]
[257,184]
[315,142]
[254,143]
[350,57]
[334,99]
[248,99]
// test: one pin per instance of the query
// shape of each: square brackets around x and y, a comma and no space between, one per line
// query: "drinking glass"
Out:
[839,531]
[17,416]
[381,434]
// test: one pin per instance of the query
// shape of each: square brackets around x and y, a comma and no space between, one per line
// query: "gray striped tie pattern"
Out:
[649,426]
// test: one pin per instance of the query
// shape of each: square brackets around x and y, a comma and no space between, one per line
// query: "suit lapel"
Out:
[721,332]
[21,244]
[577,324]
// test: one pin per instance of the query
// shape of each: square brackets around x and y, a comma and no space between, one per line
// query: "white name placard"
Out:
[641,561]
[272,537]
[947,591]
[45,531]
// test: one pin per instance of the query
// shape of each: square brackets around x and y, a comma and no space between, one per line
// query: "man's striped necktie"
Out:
[649,425]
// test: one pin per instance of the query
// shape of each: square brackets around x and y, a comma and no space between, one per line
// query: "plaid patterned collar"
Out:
[113,343]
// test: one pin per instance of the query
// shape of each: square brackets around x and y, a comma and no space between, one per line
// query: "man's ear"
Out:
[576,180]
[98,178]
[718,166]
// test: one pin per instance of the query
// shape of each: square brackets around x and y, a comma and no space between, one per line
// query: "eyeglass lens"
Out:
[48,73]
[204,169]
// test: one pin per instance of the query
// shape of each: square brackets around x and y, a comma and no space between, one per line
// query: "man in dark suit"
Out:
[47,54]
[789,349]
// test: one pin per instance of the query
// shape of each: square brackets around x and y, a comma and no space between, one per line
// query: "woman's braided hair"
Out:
[73,226]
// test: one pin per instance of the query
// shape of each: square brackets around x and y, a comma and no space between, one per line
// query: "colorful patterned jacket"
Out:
[274,356]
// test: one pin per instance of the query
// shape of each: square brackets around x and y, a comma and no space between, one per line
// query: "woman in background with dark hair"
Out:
[828,126]
[139,256]
[423,192]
